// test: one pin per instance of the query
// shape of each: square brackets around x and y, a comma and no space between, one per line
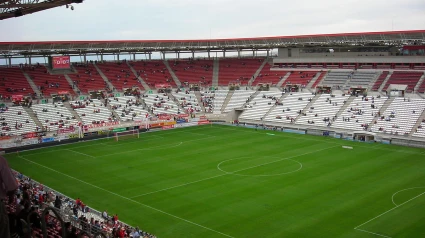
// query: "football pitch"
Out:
[224,181]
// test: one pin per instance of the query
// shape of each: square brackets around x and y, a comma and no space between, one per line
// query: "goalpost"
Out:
[125,135]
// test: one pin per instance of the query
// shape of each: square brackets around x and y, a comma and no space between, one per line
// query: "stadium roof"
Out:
[134,46]
[17,8]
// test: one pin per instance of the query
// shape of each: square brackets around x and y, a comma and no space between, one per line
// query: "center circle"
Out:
[273,160]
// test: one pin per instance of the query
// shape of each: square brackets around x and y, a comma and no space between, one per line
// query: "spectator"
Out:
[7,189]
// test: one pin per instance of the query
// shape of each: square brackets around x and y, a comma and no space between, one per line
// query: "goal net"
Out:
[126,135]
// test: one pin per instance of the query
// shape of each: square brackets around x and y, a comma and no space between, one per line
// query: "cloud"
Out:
[195,19]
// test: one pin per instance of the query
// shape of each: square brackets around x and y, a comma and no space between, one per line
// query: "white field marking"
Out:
[80,153]
[155,147]
[392,197]
[259,175]
[356,228]
[372,233]
[149,148]
[110,144]
[76,147]
[129,199]
[181,185]
[328,142]
[226,173]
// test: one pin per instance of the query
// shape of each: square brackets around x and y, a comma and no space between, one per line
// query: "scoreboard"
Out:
[60,62]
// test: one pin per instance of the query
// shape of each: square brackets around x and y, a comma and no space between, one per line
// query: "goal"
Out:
[126,135]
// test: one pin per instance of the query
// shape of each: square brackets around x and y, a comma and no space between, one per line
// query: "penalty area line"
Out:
[128,199]
[357,227]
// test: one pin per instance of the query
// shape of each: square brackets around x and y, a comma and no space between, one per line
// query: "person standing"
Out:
[8,186]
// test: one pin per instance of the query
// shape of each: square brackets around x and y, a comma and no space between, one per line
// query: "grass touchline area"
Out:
[222,181]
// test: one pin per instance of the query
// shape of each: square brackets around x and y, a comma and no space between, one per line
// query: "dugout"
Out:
[364,136]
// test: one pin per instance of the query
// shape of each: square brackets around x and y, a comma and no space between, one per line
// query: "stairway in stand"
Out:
[173,75]
[73,112]
[33,116]
[418,85]
[32,84]
[216,66]
[313,100]
[105,78]
[320,75]
[250,98]
[274,106]
[384,107]
[280,83]
[346,104]
[74,87]
[385,81]
[141,80]
[418,122]
[226,101]
[258,71]
[198,96]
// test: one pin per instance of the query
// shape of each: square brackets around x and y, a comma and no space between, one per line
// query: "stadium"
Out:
[303,135]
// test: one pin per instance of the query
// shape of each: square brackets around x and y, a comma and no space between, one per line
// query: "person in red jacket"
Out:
[121,232]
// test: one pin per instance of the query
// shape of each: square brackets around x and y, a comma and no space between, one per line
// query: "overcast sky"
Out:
[204,19]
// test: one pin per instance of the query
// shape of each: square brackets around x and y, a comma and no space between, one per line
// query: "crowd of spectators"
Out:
[26,205]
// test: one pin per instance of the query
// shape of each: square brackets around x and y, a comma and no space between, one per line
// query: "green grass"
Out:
[218,181]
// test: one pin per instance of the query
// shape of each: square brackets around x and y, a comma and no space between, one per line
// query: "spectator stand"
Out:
[241,70]
[408,78]
[128,108]
[193,71]
[207,99]
[289,109]
[360,113]
[218,101]
[88,78]
[400,116]
[267,75]
[238,99]
[160,104]
[13,82]
[187,101]
[153,72]
[93,111]
[47,83]
[257,108]
[119,74]
[323,110]
[16,121]
[54,116]
[298,80]
[419,131]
